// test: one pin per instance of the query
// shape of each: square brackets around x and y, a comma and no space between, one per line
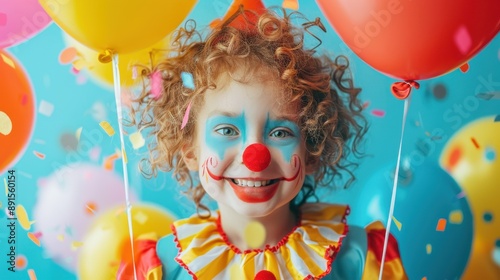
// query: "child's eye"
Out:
[280,133]
[227,131]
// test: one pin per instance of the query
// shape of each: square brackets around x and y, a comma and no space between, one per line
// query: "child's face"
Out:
[234,117]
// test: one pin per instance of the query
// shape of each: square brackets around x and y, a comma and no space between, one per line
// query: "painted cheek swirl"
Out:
[206,172]
[296,164]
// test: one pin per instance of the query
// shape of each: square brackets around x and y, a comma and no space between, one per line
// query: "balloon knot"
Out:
[106,56]
[401,90]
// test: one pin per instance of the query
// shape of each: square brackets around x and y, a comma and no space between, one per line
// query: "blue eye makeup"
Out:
[284,135]
[223,132]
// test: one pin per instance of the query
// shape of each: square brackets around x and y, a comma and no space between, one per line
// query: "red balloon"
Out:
[17,110]
[414,39]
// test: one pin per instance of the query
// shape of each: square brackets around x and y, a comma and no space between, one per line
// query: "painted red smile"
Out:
[255,194]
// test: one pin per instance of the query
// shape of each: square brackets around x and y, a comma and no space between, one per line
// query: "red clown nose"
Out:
[256,157]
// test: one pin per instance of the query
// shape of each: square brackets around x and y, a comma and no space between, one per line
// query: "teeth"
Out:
[251,183]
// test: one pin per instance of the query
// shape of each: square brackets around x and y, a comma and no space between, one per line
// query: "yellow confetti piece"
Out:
[32,274]
[60,237]
[33,238]
[397,223]
[124,154]
[75,245]
[22,217]
[137,140]
[79,64]
[78,133]
[8,61]
[140,217]
[428,248]
[441,225]
[291,4]
[107,128]
[254,234]
[456,217]
[236,272]
[5,124]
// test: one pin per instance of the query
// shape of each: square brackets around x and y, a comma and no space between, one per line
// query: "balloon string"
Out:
[116,83]
[394,190]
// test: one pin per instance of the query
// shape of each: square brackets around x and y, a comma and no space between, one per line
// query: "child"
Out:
[265,124]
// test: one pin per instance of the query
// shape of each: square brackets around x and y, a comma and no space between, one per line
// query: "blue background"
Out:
[73,103]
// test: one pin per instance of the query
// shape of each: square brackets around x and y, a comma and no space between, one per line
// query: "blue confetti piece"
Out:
[187,80]
[497,118]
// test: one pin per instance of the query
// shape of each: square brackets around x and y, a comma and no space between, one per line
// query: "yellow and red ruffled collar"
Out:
[307,252]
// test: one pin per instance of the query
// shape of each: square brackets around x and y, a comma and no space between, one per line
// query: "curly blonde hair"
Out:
[330,114]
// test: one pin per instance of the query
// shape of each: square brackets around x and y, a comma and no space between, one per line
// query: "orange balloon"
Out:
[17,110]
[414,40]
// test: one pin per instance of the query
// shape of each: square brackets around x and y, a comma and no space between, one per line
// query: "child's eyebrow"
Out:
[223,113]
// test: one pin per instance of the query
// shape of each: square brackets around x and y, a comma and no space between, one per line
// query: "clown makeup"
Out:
[249,147]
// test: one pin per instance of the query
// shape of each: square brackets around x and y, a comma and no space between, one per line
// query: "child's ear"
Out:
[189,157]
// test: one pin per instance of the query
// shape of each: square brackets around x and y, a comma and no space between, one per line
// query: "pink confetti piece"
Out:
[378,113]
[366,104]
[134,72]
[81,79]
[156,85]
[94,153]
[3,19]
[24,99]
[74,70]
[186,116]
[463,40]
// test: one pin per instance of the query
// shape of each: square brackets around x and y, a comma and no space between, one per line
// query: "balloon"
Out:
[20,20]
[120,26]
[414,40]
[17,110]
[433,226]
[103,72]
[106,243]
[67,203]
[472,157]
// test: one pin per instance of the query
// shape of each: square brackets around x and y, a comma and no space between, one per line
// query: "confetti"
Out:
[378,113]
[424,278]
[187,80]
[107,128]
[474,142]
[67,55]
[98,111]
[32,274]
[124,155]
[137,140]
[90,208]
[496,256]
[156,85]
[461,194]
[397,223]
[94,153]
[46,108]
[22,217]
[465,67]
[69,142]
[291,4]
[34,238]
[75,245]
[78,133]
[60,237]
[109,161]
[235,272]
[441,225]
[21,262]
[134,72]
[39,155]
[78,65]
[254,234]
[140,217]
[456,217]
[488,217]
[5,124]
[8,61]
[428,248]
[490,154]
[439,91]
[462,39]
[366,104]
[489,95]
[186,116]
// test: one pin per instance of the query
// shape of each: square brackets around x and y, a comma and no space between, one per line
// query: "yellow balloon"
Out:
[472,157]
[481,264]
[107,241]
[87,61]
[117,25]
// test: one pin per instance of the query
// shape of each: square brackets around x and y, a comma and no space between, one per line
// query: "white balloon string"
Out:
[116,83]
[394,190]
